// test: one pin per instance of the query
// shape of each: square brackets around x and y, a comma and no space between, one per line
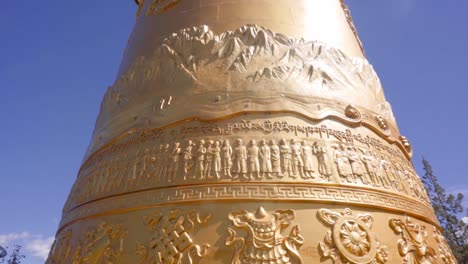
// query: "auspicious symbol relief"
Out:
[264,241]
[172,240]
[103,244]
[350,239]
[445,252]
[412,245]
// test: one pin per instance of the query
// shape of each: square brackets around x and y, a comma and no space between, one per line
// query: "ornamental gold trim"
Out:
[230,192]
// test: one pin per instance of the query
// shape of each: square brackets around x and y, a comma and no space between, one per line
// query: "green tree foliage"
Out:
[448,209]
[15,256]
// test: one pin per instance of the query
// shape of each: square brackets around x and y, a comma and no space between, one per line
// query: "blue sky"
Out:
[58,58]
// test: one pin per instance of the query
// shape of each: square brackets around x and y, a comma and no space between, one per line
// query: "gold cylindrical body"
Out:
[247,131]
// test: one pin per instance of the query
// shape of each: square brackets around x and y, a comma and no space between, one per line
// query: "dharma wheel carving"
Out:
[247,131]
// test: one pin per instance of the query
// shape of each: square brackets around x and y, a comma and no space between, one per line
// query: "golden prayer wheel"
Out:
[247,131]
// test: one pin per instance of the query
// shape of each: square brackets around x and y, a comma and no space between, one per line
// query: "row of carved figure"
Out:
[350,239]
[218,160]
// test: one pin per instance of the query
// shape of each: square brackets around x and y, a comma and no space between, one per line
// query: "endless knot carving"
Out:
[351,239]
[172,240]
[412,245]
[264,242]
[444,248]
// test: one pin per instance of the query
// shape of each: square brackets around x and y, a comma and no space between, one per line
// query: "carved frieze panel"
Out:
[350,239]
[263,240]
[267,151]
[413,245]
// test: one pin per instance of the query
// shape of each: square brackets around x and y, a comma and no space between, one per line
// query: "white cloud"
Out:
[34,245]
[40,247]
[465,219]
[6,239]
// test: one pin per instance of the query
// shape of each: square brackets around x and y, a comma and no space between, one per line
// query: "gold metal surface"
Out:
[247,131]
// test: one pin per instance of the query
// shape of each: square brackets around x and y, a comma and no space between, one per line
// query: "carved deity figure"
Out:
[307,157]
[298,163]
[342,163]
[356,165]
[226,156]
[275,159]
[217,166]
[188,158]
[200,156]
[264,242]
[321,153]
[265,159]
[174,165]
[240,158]
[387,176]
[209,158]
[286,158]
[135,167]
[145,171]
[122,171]
[252,160]
[371,165]
[167,162]
[158,163]
[399,174]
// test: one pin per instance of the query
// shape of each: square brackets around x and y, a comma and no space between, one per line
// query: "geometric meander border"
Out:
[283,192]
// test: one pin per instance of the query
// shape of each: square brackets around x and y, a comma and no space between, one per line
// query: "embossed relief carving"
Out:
[263,241]
[350,239]
[352,112]
[162,158]
[360,166]
[60,249]
[406,143]
[412,244]
[188,59]
[381,122]
[445,253]
[101,244]
[172,240]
